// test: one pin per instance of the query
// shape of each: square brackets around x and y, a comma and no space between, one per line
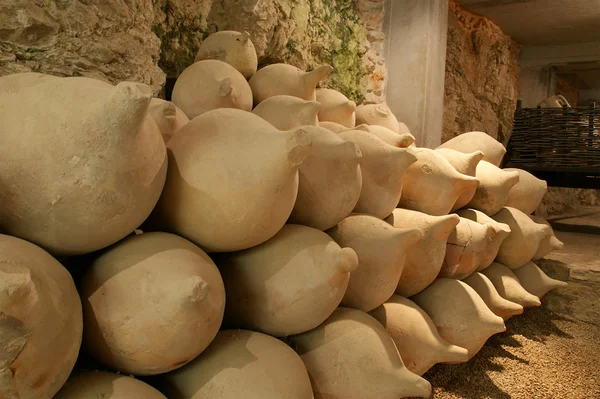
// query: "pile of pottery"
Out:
[283,243]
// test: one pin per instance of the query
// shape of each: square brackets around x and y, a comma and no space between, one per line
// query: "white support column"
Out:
[416,32]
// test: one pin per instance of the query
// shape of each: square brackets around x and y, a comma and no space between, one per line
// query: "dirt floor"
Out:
[548,352]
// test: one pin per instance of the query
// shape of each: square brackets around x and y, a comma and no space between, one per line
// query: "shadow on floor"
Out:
[471,379]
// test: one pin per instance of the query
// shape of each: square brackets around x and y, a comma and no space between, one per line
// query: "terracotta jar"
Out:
[381,251]
[415,335]
[502,232]
[403,140]
[535,281]
[288,112]
[233,180]
[494,186]
[493,151]
[465,164]
[332,126]
[330,180]
[527,194]
[240,364]
[288,285]
[460,315]
[466,247]
[486,290]
[221,85]
[425,258]
[277,79]
[549,243]
[432,185]
[367,364]
[82,162]
[151,303]
[524,239]
[232,47]
[40,322]
[101,384]
[167,117]
[509,287]
[382,167]
[335,107]
[377,114]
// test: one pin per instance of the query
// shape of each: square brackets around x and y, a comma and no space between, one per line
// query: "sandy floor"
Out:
[548,352]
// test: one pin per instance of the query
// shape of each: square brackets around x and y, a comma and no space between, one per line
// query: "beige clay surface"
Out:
[486,290]
[288,112]
[366,363]
[82,162]
[432,185]
[104,385]
[462,318]
[287,285]
[494,187]
[416,337]
[234,48]
[336,107]
[493,151]
[378,114]
[240,364]
[40,321]
[383,168]
[213,197]
[151,304]
[381,250]
[508,285]
[424,260]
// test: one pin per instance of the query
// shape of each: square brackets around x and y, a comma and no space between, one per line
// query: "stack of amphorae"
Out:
[255,238]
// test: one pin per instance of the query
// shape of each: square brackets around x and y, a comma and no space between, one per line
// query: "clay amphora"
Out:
[232,47]
[557,101]
[330,180]
[416,337]
[151,304]
[524,239]
[508,286]
[465,164]
[403,140]
[167,117]
[82,162]
[366,365]
[211,84]
[240,364]
[277,79]
[465,249]
[432,185]
[424,259]
[493,151]
[494,186]
[233,180]
[547,244]
[101,384]
[335,107]
[382,167]
[535,281]
[502,231]
[460,315]
[40,322]
[334,127]
[288,112]
[486,290]
[381,251]
[287,285]
[377,114]
[527,194]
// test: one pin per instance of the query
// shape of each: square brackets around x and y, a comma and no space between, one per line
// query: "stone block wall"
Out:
[482,76]
[146,40]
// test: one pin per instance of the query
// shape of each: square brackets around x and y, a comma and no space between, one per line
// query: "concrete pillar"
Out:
[416,32]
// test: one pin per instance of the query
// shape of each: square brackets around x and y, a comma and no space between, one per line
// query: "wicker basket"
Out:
[556,140]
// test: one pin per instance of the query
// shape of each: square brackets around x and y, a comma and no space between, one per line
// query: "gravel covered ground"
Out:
[548,352]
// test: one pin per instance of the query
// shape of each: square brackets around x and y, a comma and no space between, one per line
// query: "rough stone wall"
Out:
[482,70]
[109,40]
[116,40]
[346,34]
